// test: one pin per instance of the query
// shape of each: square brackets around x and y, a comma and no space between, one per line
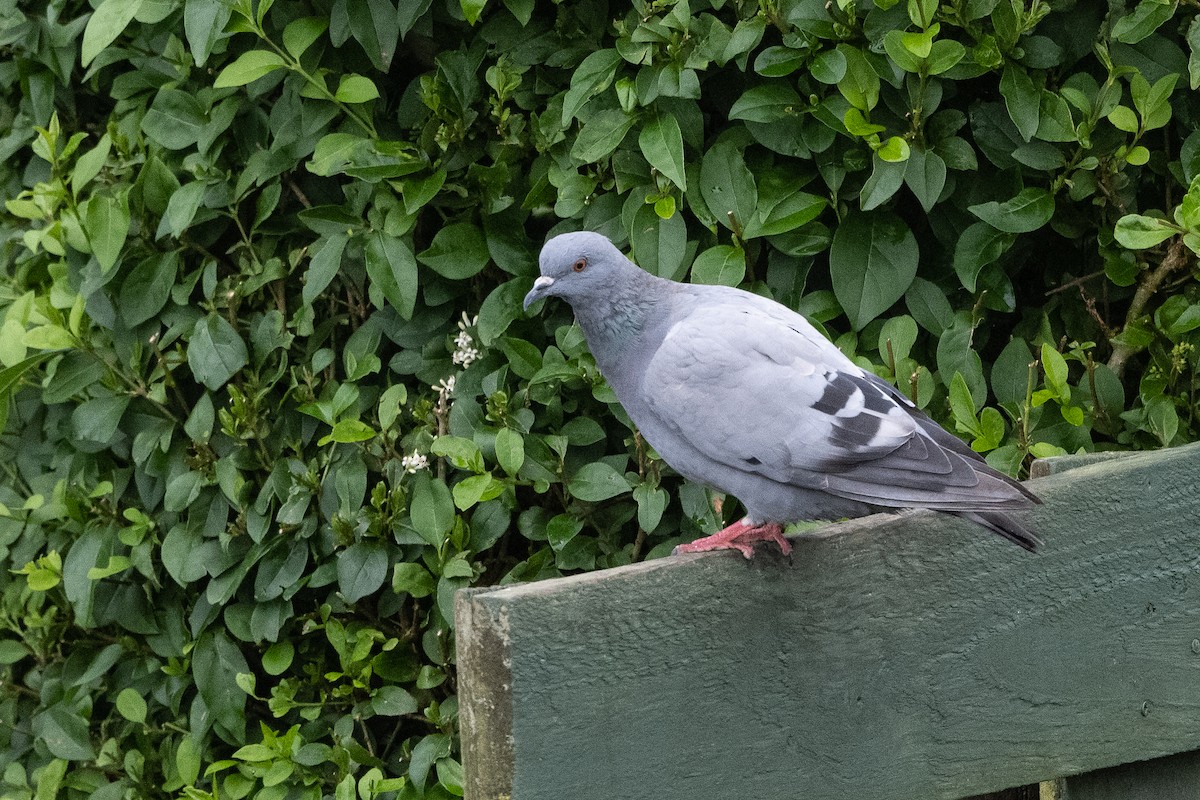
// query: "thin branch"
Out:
[1076,282]
[1175,259]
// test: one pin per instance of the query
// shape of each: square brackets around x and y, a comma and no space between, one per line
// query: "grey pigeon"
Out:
[742,394]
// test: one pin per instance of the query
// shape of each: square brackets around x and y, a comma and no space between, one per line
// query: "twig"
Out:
[1176,258]
[1076,282]
[1090,302]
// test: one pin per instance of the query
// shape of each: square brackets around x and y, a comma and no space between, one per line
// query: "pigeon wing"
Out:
[751,385]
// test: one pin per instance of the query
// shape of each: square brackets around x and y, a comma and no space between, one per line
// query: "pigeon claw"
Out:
[739,536]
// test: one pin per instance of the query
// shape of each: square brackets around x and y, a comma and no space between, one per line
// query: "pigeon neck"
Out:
[613,323]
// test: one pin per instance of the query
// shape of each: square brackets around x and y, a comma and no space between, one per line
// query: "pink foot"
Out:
[739,536]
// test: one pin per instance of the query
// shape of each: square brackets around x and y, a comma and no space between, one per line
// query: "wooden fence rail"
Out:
[897,656]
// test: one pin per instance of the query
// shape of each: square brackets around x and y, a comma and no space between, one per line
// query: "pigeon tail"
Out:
[1006,525]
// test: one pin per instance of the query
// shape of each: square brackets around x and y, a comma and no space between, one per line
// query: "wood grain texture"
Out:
[897,656]
[1168,778]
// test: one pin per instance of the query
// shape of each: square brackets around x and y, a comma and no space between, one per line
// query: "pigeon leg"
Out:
[739,536]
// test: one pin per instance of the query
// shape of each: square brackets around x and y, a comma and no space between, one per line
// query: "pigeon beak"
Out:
[540,287]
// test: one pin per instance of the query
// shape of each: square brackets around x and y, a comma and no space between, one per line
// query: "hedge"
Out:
[269,398]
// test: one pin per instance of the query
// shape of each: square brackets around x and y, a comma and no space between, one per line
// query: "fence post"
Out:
[892,657]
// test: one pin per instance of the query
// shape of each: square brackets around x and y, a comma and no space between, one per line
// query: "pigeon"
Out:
[742,394]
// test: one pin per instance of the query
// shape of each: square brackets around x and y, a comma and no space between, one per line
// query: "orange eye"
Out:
[579,265]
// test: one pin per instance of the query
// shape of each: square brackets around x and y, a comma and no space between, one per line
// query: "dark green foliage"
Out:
[247,249]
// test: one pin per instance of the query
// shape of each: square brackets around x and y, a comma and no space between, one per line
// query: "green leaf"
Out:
[944,56]
[427,751]
[204,23]
[64,732]
[596,482]
[593,75]
[561,529]
[1193,41]
[1153,102]
[412,578]
[1054,122]
[300,34]
[1123,119]
[1055,368]
[651,503]
[872,261]
[361,569]
[249,66]
[925,175]
[88,165]
[783,206]
[601,134]
[770,102]
[348,431]
[956,354]
[393,701]
[391,267]
[1145,19]
[181,209]
[894,44]
[475,489]
[860,85]
[215,351]
[106,221]
[510,450]
[116,564]
[828,67]
[175,120]
[12,651]
[900,333]
[472,9]
[962,405]
[778,61]
[727,185]
[1022,98]
[1137,232]
[107,22]
[146,290]
[378,24]
[432,508]
[216,663]
[354,88]
[278,657]
[1029,210]
[49,337]
[97,419]
[979,245]
[182,491]
[1163,419]
[131,705]
[659,245]
[661,142]
[324,265]
[457,252]
[721,264]
[1010,373]
[886,179]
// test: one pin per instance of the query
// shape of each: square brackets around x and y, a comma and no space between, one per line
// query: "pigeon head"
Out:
[581,266]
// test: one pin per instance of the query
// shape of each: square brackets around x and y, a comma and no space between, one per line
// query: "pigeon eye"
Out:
[579,265]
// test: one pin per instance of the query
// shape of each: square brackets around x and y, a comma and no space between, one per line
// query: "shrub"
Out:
[269,398]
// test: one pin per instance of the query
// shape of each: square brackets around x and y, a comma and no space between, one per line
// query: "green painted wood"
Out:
[897,656]
[1169,778]
[1053,466]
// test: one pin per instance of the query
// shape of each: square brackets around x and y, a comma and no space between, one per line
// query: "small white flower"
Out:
[444,388]
[465,351]
[414,462]
[465,355]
